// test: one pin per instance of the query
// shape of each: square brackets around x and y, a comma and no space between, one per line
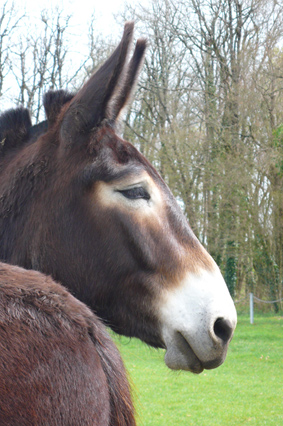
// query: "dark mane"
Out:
[53,102]
[15,125]
[37,130]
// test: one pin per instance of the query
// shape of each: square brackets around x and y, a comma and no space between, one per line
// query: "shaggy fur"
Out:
[58,365]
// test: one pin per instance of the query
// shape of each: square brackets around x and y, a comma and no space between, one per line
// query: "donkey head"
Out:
[107,226]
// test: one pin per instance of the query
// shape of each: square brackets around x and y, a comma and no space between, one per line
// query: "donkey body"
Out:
[58,366]
[81,204]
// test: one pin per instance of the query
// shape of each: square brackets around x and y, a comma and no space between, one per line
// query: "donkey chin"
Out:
[180,356]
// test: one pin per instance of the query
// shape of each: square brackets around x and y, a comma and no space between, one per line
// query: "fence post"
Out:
[251,308]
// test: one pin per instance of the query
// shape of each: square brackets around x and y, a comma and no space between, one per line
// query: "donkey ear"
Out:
[90,105]
[124,93]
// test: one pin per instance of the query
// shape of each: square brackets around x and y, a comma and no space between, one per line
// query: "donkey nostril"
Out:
[223,329]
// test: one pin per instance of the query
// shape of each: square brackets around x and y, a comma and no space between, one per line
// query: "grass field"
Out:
[246,390]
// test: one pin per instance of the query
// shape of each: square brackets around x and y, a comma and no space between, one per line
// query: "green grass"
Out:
[246,390]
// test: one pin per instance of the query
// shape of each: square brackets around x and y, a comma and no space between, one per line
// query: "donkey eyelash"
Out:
[135,193]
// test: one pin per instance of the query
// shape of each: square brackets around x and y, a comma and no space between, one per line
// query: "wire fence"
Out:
[257,299]
[267,301]
[252,299]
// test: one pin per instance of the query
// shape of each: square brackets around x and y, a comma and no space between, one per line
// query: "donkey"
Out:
[81,204]
[58,364]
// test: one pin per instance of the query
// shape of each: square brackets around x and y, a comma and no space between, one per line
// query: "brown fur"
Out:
[58,365]
[51,218]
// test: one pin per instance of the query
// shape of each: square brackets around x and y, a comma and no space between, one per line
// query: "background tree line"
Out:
[208,113]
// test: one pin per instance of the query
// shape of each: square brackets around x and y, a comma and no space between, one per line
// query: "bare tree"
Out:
[207,116]
[9,21]
[39,61]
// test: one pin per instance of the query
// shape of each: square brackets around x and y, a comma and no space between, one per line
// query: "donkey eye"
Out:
[135,193]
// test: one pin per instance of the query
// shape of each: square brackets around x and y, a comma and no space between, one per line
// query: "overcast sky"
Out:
[77,34]
[81,11]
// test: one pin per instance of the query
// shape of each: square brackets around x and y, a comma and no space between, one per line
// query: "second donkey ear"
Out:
[95,101]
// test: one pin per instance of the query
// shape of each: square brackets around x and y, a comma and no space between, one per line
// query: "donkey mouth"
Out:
[180,355]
